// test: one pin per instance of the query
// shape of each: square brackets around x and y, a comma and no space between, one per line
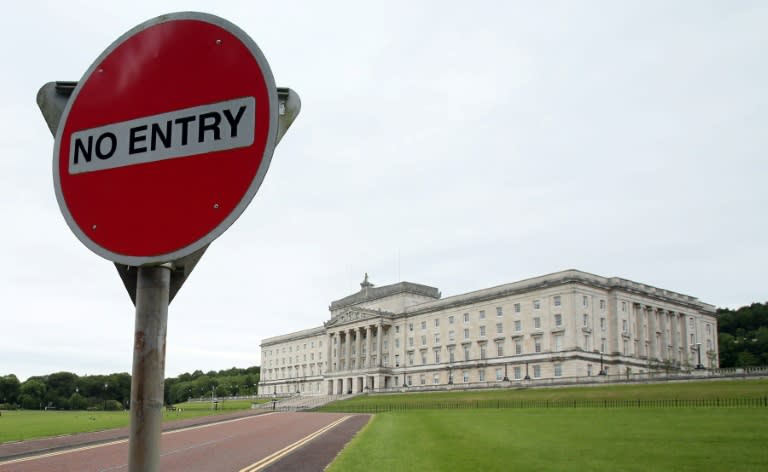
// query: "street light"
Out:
[602,369]
[506,377]
[527,377]
[105,395]
[699,366]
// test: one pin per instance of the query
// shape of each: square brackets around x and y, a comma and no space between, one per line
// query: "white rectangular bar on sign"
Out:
[179,133]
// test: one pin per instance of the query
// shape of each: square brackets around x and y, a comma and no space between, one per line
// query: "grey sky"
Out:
[452,144]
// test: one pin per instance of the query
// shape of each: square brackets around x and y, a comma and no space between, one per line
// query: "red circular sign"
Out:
[166,139]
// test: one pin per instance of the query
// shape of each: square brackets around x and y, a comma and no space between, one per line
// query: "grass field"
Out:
[30,424]
[572,439]
[662,391]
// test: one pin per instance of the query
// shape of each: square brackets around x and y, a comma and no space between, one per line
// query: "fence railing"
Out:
[380,407]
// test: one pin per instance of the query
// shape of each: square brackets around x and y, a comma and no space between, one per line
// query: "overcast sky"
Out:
[456,144]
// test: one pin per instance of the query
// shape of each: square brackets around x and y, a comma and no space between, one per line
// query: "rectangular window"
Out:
[709,328]
[451,355]
[466,352]
[410,358]
[499,374]
[584,301]
[423,325]
[586,320]
[556,300]
[559,342]
[518,372]
[537,322]
[518,346]
[437,338]
[423,357]
[437,357]
[465,376]
[451,335]
[623,306]
[623,326]
[602,304]
[466,333]
[481,375]
[537,344]
[536,304]
[482,330]
[518,325]
[499,311]
[450,319]
[436,379]
[500,349]
[602,324]
[423,339]
[690,323]
[437,322]
[410,380]
[693,340]
[466,318]
[397,329]
[517,308]
[410,341]
[482,314]
[499,328]
[397,360]
[482,352]
[626,347]
[602,344]
[397,343]
[558,370]
[558,320]
[536,371]
[410,326]
[423,379]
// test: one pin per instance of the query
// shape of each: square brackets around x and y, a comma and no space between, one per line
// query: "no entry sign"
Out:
[166,139]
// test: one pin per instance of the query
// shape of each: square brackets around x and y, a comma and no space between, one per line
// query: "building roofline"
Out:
[556,279]
[369,293]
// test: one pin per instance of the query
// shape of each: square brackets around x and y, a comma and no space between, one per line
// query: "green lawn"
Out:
[703,390]
[30,424]
[561,439]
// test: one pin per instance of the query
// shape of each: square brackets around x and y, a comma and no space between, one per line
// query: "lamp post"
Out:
[602,368]
[450,375]
[506,377]
[527,377]
[105,395]
[699,366]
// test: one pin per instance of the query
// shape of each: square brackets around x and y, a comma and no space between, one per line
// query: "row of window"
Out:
[517,373]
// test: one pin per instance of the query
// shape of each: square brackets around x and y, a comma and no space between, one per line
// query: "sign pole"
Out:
[147,381]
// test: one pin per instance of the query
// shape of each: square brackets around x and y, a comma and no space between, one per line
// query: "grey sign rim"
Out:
[255,183]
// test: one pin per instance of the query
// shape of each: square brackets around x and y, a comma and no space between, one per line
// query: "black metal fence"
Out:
[380,407]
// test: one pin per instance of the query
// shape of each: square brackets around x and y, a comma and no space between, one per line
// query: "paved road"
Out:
[248,444]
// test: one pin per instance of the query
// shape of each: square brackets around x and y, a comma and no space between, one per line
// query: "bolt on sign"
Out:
[165,139]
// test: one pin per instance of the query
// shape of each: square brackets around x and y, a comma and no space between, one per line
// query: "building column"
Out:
[368,353]
[674,331]
[358,348]
[348,334]
[379,343]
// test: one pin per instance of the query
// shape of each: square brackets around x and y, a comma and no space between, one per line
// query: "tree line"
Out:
[68,391]
[743,336]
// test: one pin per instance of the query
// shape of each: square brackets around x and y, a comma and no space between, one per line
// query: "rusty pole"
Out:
[147,381]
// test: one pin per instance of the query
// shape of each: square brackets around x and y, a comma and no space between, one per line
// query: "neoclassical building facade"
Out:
[566,324]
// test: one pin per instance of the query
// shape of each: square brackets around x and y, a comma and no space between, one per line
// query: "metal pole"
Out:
[147,382]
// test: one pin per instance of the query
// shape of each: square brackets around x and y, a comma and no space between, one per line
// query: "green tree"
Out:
[10,387]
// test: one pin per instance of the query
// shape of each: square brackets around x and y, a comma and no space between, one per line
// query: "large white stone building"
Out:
[563,325]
